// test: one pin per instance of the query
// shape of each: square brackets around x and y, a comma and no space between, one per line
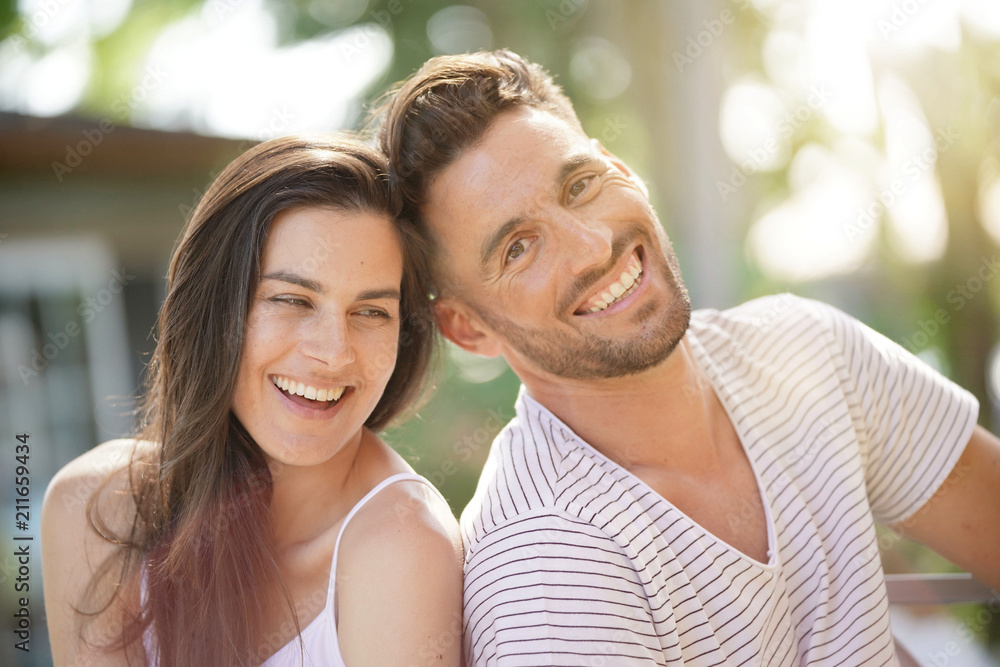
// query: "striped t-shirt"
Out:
[572,560]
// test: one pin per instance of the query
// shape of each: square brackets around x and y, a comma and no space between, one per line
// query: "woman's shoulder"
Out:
[408,513]
[72,550]
[406,519]
[103,468]
[102,471]
[105,458]
[399,574]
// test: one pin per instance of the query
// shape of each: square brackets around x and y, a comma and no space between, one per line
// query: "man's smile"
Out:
[616,288]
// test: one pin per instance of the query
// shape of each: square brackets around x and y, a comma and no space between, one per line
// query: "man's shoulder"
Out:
[774,316]
[762,312]
[533,458]
[758,343]
[519,476]
[544,531]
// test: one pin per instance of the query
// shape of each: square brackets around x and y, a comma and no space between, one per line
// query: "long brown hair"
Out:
[200,539]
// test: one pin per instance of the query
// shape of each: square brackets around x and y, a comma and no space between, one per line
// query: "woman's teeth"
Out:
[312,393]
[626,284]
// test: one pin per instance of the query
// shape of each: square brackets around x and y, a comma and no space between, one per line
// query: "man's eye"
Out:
[577,188]
[516,249]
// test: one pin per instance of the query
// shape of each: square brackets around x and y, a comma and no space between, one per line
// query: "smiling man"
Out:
[676,488]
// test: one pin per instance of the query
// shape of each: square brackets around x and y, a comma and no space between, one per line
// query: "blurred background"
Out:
[847,151]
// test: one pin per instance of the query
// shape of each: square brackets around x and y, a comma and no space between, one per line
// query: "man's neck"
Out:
[665,417]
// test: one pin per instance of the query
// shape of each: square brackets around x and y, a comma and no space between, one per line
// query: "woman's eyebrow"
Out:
[295,279]
[387,293]
[309,284]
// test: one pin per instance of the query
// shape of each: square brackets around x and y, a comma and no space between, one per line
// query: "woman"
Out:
[258,516]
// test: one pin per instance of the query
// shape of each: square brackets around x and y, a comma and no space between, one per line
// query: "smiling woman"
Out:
[320,347]
[257,517]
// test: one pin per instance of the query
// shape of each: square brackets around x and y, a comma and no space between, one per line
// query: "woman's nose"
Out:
[328,340]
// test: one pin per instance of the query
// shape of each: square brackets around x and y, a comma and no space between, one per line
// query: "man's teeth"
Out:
[626,284]
[312,393]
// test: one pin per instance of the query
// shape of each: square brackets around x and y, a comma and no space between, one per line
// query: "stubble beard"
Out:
[583,356]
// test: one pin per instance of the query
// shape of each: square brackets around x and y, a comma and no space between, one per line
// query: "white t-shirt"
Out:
[572,560]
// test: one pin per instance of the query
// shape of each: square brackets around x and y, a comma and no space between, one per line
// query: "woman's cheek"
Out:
[381,355]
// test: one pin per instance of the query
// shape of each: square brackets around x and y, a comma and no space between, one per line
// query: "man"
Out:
[675,488]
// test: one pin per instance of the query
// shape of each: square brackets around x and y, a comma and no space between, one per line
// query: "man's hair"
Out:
[447,106]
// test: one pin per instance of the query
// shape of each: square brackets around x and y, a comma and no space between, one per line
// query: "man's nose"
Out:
[328,340]
[588,242]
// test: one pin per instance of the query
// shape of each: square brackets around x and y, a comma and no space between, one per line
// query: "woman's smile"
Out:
[322,332]
[324,404]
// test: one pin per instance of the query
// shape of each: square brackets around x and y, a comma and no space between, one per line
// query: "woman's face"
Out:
[321,334]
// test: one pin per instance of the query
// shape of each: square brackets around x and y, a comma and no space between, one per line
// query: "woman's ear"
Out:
[464,328]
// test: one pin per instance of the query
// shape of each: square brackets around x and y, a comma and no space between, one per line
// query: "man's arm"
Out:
[961,521]
[931,473]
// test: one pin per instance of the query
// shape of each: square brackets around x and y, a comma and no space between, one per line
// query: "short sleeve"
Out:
[912,422]
[549,589]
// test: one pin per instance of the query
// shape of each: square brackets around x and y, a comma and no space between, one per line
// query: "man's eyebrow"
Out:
[492,243]
[295,279]
[571,164]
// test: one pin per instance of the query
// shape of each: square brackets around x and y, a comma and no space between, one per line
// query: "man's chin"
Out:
[599,358]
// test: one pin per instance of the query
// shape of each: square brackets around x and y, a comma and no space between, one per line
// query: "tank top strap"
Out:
[392,479]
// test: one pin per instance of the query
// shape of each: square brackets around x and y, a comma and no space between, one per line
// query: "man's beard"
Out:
[590,357]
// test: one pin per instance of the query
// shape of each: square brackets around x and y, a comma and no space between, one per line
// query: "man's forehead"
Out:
[521,152]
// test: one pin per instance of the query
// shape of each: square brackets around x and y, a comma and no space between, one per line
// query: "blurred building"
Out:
[89,213]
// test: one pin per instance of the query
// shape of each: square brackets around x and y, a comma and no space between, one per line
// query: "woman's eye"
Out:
[290,300]
[375,313]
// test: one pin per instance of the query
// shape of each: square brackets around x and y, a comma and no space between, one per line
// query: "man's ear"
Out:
[464,329]
[622,167]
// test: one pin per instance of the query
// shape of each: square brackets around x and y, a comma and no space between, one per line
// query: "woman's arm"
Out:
[399,582]
[72,553]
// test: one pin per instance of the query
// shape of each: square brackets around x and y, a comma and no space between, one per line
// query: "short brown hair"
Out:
[447,106]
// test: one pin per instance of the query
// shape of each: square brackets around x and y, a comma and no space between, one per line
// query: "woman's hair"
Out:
[200,539]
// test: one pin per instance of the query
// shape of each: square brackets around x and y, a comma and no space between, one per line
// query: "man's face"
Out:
[551,254]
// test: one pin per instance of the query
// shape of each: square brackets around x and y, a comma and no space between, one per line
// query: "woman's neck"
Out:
[307,501]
